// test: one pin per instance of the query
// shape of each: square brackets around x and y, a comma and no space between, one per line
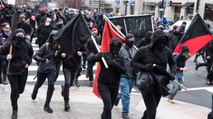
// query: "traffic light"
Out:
[170,3]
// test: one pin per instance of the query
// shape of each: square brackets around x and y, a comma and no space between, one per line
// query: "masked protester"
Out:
[44,31]
[146,40]
[108,81]
[47,55]
[92,50]
[126,53]
[5,30]
[20,60]
[71,69]
[4,34]
[180,61]
[145,58]
[25,26]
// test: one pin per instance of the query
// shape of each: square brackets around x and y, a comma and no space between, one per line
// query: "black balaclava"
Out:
[160,44]
[129,43]
[18,41]
[115,46]
[148,36]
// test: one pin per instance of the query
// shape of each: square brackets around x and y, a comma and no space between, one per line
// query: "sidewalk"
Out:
[85,105]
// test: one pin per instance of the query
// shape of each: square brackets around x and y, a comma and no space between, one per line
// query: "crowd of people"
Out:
[21,25]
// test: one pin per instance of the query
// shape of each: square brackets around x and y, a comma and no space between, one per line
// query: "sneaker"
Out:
[171,100]
[125,116]
[116,102]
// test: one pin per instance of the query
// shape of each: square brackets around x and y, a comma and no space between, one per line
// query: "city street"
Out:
[192,104]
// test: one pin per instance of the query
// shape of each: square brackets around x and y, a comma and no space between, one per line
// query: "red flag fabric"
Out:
[108,34]
[196,37]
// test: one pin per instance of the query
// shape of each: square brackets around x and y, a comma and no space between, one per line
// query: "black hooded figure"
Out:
[48,55]
[20,60]
[108,81]
[154,53]
[146,40]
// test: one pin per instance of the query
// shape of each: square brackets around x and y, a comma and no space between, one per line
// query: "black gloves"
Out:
[147,67]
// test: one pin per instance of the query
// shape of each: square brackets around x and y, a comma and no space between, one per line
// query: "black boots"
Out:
[34,94]
[48,109]
[66,105]
[65,94]
[48,99]
[14,114]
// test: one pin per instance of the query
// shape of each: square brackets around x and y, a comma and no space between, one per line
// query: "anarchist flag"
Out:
[43,5]
[73,35]
[108,34]
[196,36]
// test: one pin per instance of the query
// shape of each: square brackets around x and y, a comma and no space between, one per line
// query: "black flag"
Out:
[196,36]
[73,35]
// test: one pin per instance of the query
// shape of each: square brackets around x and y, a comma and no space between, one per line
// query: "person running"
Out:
[109,78]
[20,59]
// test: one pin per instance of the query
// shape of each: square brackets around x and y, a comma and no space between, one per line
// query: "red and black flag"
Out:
[196,36]
[73,35]
[108,34]
[43,5]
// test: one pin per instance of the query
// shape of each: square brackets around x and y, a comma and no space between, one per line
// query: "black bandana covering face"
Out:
[114,48]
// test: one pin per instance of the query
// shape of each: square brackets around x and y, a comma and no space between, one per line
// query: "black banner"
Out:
[137,25]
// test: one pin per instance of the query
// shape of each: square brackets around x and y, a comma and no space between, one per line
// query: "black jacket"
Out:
[110,76]
[145,55]
[75,61]
[43,33]
[174,39]
[20,57]
[47,52]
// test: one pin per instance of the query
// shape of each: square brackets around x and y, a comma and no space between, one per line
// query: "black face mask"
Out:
[59,26]
[129,43]
[6,33]
[114,48]
[158,47]
[18,41]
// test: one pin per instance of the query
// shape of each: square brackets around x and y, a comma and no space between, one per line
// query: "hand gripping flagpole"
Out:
[115,27]
[102,58]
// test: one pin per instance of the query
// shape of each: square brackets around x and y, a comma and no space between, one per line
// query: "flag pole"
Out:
[119,31]
[96,46]
[8,65]
[180,85]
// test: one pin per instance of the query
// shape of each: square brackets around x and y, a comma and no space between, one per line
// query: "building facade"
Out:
[172,9]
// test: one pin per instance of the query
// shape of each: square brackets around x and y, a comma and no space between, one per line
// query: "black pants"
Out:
[41,77]
[108,95]
[2,71]
[17,84]
[69,75]
[151,101]
[90,70]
